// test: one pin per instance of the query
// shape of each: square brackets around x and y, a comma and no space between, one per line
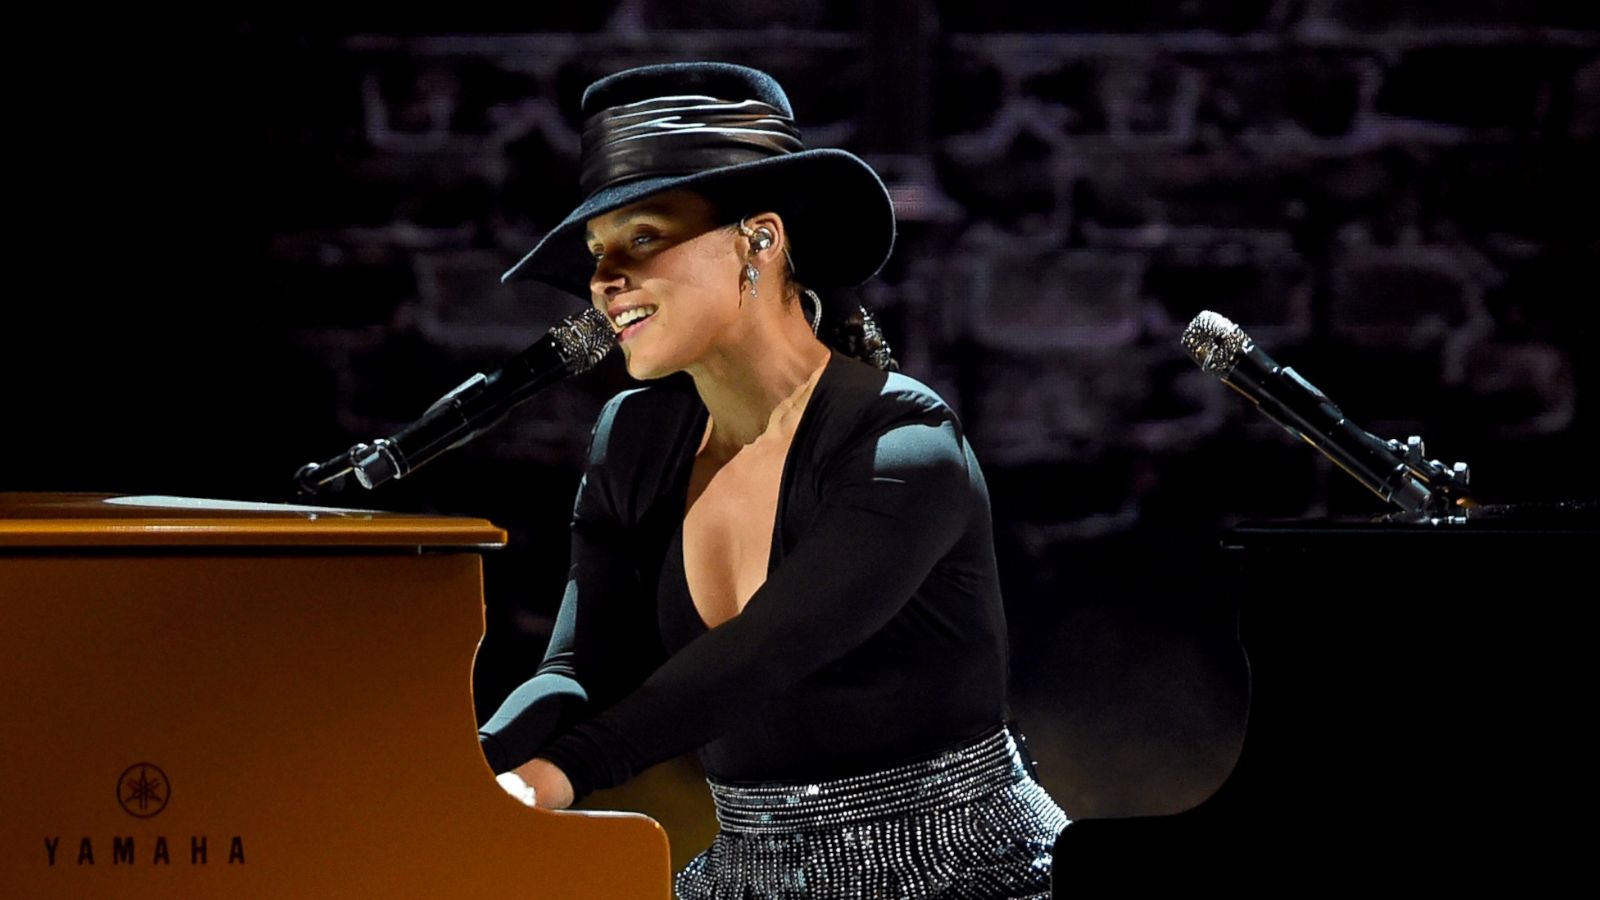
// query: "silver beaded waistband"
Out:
[951,778]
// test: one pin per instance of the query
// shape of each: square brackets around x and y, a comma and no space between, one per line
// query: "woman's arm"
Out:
[604,641]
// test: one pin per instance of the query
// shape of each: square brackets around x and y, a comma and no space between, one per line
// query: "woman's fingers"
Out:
[516,787]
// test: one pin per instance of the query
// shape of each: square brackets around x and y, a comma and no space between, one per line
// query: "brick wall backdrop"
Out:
[250,243]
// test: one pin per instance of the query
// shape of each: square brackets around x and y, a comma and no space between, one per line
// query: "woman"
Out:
[783,559]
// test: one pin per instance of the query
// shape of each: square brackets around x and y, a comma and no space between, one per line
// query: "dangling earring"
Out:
[816,310]
[760,240]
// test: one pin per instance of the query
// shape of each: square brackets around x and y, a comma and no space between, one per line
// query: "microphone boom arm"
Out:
[1397,472]
[477,404]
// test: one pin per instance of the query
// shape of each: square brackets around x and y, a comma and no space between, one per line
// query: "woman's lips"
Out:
[633,329]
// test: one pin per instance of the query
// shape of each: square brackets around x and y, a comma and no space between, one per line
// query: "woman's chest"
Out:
[728,528]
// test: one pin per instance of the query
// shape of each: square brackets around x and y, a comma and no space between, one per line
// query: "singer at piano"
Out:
[782,553]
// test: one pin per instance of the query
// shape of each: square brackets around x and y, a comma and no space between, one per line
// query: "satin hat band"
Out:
[679,136]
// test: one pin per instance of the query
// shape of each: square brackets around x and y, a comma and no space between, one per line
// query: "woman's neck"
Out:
[749,391]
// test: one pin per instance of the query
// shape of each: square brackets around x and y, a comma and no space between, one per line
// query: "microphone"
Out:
[575,345]
[1223,349]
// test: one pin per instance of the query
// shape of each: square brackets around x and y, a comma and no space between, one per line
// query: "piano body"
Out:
[1420,697]
[235,700]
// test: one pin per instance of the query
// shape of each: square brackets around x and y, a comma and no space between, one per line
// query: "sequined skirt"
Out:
[967,824]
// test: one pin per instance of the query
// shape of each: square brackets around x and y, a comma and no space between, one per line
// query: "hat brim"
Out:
[832,202]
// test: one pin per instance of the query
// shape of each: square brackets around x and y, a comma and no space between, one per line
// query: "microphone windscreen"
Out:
[1214,342]
[583,339]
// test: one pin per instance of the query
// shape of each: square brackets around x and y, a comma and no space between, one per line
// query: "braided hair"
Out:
[857,334]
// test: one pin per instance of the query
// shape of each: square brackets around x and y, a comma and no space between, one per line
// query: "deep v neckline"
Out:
[702,419]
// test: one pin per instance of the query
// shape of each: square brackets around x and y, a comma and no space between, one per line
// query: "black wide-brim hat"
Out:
[727,132]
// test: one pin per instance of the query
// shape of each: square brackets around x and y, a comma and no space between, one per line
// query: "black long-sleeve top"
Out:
[878,636]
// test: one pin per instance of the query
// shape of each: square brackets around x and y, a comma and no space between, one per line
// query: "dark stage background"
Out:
[245,244]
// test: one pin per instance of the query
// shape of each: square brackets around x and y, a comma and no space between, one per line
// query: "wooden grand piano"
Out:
[205,699]
[1421,698]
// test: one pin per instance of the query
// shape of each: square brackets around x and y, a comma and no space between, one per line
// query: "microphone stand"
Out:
[573,346]
[1425,490]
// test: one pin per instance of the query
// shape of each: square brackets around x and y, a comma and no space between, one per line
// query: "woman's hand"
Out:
[538,782]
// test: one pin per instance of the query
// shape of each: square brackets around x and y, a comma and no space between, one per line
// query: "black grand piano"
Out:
[1419,711]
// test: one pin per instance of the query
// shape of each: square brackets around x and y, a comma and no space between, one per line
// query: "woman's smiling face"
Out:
[668,279]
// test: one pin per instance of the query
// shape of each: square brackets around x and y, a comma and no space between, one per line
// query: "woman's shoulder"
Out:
[871,398]
[638,417]
[892,428]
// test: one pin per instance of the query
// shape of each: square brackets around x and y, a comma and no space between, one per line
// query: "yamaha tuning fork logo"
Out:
[143,790]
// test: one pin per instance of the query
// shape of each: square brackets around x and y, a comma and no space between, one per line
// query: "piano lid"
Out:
[158,521]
